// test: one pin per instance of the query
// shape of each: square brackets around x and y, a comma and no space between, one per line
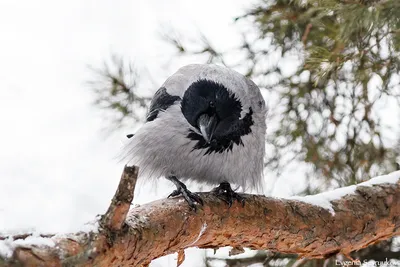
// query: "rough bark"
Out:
[169,225]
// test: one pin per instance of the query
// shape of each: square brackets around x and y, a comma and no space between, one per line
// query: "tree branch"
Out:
[166,226]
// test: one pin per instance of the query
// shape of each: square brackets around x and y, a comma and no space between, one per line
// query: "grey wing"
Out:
[160,102]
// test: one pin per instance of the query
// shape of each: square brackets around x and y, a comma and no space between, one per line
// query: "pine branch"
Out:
[166,226]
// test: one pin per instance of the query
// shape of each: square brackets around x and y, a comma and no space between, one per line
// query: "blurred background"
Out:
[77,76]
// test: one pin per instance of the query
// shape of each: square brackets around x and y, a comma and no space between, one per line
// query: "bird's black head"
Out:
[215,113]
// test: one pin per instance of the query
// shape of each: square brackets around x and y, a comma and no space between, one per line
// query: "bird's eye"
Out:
[212,105]
[213,142]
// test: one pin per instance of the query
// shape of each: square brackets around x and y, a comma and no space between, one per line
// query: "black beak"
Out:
[207,125]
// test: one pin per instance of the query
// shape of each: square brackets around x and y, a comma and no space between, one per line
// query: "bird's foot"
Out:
[181,190]
[226,193]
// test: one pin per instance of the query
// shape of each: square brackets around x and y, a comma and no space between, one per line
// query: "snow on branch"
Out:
[340,221]
[324,199]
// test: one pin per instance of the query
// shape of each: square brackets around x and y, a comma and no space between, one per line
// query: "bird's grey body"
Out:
[163,147]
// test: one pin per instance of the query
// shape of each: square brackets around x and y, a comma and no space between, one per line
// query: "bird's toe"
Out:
[226,194]
[174,193]
[196,198]
[191,198]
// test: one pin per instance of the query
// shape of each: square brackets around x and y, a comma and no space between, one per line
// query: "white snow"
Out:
[202,230]
[324,199]
[38,239]
[136,221]
[7,246]
[6,249]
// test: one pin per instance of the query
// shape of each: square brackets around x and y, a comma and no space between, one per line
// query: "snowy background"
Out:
[58,170]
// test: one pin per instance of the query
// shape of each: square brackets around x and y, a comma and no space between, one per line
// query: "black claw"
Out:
[181,190]
[225,193]
[174,193]
[196,198]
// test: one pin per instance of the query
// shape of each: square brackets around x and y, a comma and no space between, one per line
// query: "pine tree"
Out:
[346,57]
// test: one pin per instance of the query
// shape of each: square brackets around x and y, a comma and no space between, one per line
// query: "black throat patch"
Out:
[230,128]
